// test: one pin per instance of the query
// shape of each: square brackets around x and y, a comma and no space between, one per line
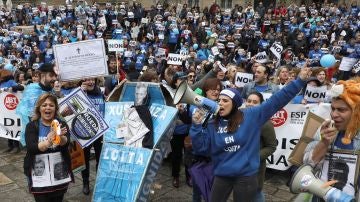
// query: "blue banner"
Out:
[120,172]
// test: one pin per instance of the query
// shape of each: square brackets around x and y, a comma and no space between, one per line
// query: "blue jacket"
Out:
[237,154]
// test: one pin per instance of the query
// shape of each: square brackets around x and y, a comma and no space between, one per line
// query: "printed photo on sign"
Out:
[49,170]
[343,169]
[85,121]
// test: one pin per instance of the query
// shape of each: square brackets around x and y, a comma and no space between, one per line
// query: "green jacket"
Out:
[268,143]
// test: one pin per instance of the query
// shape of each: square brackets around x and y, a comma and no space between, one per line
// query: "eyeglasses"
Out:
[191,76]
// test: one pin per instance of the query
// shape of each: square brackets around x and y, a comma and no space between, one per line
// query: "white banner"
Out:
[276,49]
[347,63]
[288,124]
[242,78]
[10,124]
[174,59]
[315,94]
[115,45]
[82,59]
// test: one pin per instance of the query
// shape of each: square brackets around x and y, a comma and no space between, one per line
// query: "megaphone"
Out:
[184,94]
[304,180]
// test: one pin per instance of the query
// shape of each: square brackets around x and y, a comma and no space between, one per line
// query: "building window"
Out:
[225,3]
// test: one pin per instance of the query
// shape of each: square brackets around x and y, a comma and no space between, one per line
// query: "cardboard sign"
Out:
[77,158]
[84,59]
[115,45]
[174,59]
[315,94]
[84,120]
[243,78]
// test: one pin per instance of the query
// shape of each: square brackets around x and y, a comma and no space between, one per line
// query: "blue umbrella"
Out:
[202,175]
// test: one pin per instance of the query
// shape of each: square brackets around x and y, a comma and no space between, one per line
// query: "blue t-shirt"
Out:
[261,89]
[43,131]
[338,143]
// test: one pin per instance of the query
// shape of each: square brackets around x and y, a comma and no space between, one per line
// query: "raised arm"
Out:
[283,97]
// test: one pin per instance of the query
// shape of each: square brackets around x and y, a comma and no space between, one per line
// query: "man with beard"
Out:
[32,92]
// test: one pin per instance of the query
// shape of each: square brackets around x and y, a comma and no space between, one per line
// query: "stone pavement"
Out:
[13,184]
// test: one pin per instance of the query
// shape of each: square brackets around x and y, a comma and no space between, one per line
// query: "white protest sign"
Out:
[144,20]
[115,45]
[243,78]
[174,59]
[10,124]
[82,59]
[161,53]
[276,49]
[288,124]
[356,67]
[215,50]
[85,121]
[347,63]
[315,94]
[261,57]
[184,53]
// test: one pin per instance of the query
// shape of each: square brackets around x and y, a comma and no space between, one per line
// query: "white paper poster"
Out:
[115,45]
[315,94]
[82,59]
[174,59]
[347,63]
[49,170]
[242,78]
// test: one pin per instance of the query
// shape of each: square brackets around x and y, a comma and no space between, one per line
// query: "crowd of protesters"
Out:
[306,32]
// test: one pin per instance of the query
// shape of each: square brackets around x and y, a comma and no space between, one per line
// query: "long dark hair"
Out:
[235,118]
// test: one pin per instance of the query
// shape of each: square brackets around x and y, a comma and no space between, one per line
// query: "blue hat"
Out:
[234,94]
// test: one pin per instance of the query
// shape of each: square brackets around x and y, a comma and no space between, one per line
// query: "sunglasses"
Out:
[191,76]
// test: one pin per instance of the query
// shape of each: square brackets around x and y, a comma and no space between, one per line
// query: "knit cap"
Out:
[234,94]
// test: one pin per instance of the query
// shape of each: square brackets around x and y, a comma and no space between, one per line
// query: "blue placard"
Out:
[120,172]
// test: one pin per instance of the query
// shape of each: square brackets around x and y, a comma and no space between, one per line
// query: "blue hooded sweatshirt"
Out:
[237,154]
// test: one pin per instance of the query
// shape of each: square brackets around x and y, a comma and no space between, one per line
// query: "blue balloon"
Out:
[195,46]
[327,60]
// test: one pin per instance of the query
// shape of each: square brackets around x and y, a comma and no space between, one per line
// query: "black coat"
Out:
[32,140]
